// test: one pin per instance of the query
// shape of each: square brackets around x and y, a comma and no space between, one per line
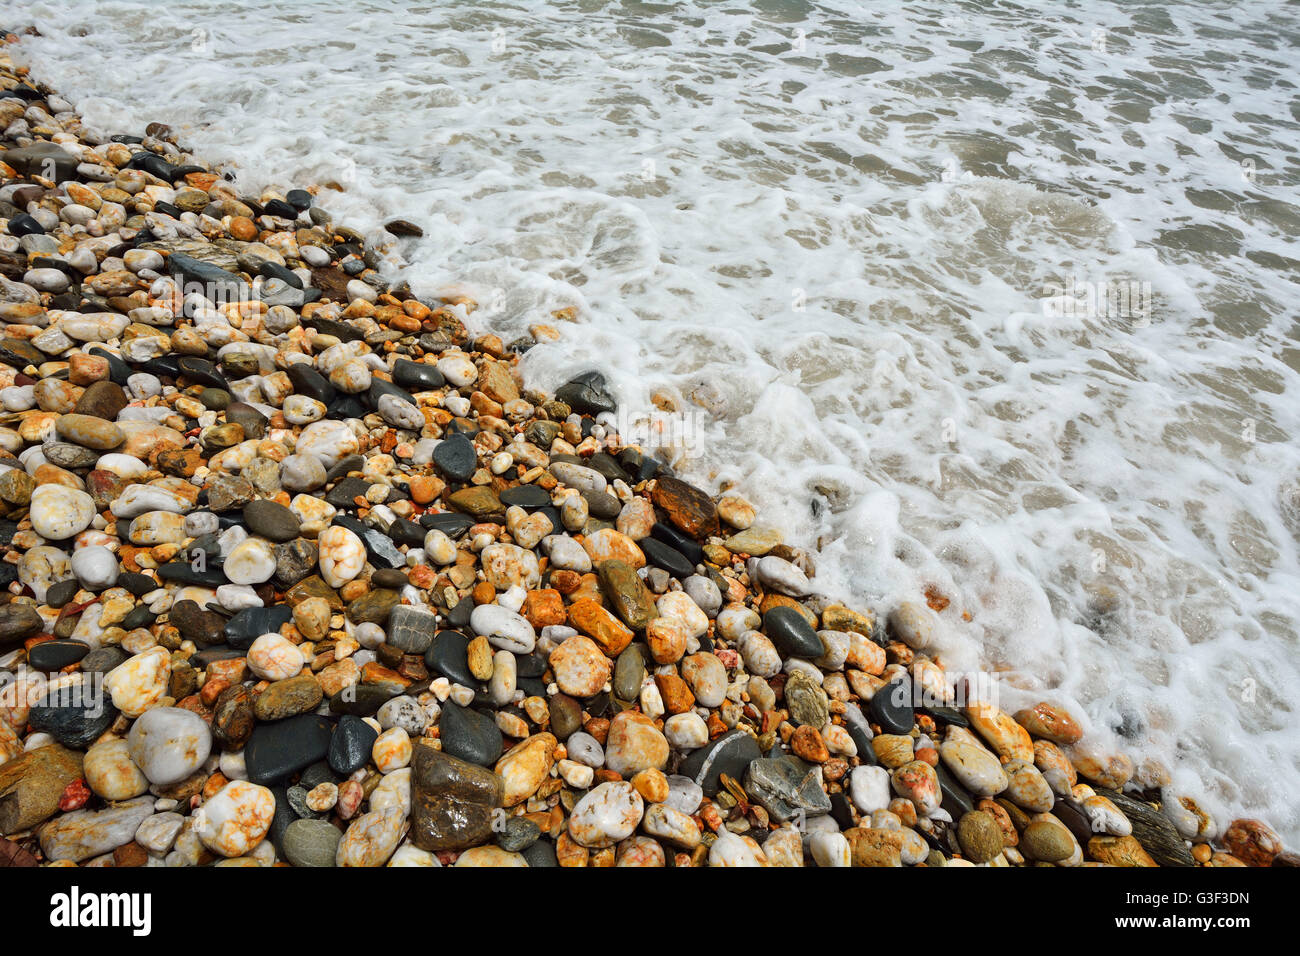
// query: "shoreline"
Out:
[725,616]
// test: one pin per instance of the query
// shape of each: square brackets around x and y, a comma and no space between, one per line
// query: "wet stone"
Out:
[55,655]
[73,716]
[251,623]
[519,834]
[786,787]
[670,559]
[453,802]
[529,497]
[891,708]
[277,750]
[373,607]
[196,624]
[411,629]
[566,716]
[271,520]
[469,735]
[362,700]
[791,634]
[448,655]
[732,753]
[455,457]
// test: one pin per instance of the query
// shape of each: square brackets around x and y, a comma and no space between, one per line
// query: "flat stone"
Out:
[271,520]
[689,508]
[666,557]
[32,783]
[448,654]
[791,634]
[310,842]
[453,801]
[411,629]
[891,708]
[275,751]
[732,753]
[469,735]
[350,747]
[786,787]
[251,623]
[455,458]
[74,716]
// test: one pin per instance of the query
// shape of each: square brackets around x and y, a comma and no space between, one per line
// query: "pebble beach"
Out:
[298,571]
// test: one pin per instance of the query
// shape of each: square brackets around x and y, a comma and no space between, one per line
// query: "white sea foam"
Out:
[835,225]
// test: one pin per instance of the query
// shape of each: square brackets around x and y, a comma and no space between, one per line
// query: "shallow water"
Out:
[995,300]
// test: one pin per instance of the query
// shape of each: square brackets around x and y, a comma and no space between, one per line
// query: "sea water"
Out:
[993,299]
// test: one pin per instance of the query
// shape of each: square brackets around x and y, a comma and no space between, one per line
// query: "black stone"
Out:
[456,458]
[153,164]
[417,376]
[350,746]
[891,707]
[860,732]
[219,652]
[280,208]
[793,636]
[530,665]
[252,622]
[678,542]
[469,735]
[211,576]
[586,394]
[25,225]
[841,810]
[311,383]
[277,750]
[670,559]
[139,616]
[281,819]
[319,772]
[732,753]
[604,464]
[202,372]
[459,615]
[603,505]
[529,497]
[404,531]
[947,715]
[955,798]
[271,520]
[56,655]
[218,284]
[379,388]
[362,700]
[350,463]
[342,494]
[62,592]
[518,834]
[531,686]
[448,655]
[74,716]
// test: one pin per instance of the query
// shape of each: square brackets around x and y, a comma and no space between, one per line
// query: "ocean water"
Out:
[998,299]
